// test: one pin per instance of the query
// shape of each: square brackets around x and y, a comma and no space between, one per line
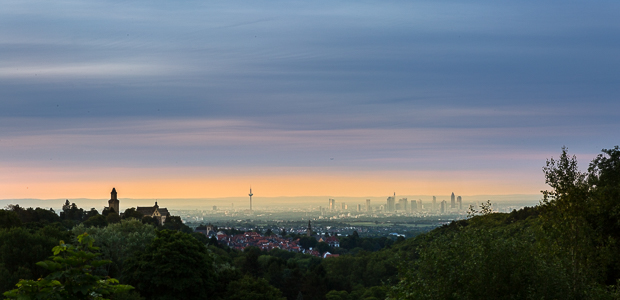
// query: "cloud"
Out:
[389,86]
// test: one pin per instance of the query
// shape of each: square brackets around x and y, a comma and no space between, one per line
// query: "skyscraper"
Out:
[403,204]
[367,204]
[359,207]
[390,206]
[459,200]
[332,204]
[444,203]
[420,207]
[452,203]
[434,203]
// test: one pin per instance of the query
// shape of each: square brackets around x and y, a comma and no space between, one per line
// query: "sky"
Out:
[202,99]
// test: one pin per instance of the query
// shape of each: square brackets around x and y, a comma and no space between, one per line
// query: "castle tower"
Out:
[113,203]
[250,194]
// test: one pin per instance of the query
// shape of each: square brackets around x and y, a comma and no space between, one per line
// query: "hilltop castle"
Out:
[155,212]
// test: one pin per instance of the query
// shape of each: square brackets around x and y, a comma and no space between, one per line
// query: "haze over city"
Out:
[202,100]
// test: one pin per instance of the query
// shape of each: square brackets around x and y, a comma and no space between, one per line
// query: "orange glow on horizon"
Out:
[362,184]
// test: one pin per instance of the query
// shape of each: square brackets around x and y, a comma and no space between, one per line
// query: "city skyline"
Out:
[337,99]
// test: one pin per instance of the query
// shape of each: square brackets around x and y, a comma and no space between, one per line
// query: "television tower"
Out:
[250,194]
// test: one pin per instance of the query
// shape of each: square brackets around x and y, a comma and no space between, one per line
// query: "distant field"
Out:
[372,224]
[369,224]
[419,225]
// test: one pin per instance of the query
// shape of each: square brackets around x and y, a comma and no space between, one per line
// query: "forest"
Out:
[564,248]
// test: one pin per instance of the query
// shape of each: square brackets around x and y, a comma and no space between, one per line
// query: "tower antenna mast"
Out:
[250,194]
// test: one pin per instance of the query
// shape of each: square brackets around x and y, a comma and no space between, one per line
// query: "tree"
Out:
[482,262]
[173,266]
[96,221]
[150,220]
[72,275]
[322,247]
[250,263]
[307,242]
[132,213]
[119,241]
[112,218]
[565,210]
[34,215]
[604,182]
[91,213]
[250,288]
[72,212]
[20,250]
[9,219]
[175,223]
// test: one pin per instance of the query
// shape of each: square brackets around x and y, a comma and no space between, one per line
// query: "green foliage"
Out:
[307,242]
[323,247]
[71,275]
[353,241]
[485,209]
[72,212]
[119,241]
[175,223]
[604,180]
[566,248]
[250,288]
[96,221]
[34,215]
[173,266]
[565,212]
[482,262]
[150,220]
[112,218]
[9,219]
[337,295]
[132,213]
[20,250]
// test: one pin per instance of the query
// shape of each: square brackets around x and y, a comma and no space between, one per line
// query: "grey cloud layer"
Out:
[549,68]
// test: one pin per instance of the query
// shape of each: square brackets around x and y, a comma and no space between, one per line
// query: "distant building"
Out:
[420,206]
[113,203]
[434,203]
[208,230]
[452,203]
[332,204]
[367,204]
[333,241]
[251,194]
[359,208]
[444,203]
[154,212]
[343,205]
[403,204]
[309,230]
[391,204]
[328,254]
[459,200]
[214,207]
